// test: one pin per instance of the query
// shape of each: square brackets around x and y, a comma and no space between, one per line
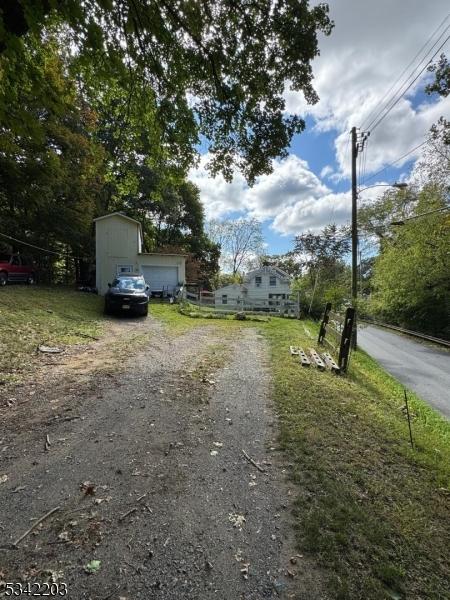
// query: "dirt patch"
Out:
[58,381]
[174,510]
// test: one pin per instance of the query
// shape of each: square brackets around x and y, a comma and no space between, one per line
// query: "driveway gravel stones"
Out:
[174,510]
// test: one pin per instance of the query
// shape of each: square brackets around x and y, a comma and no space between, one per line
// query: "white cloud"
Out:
[326,171]
[313,213]
[292,196]
[371,44]
[290,181]
[219,197]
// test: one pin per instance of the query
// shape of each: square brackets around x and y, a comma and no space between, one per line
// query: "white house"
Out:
[267,287]
[118,249]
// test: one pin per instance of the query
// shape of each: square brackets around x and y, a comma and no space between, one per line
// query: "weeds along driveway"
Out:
[147,471]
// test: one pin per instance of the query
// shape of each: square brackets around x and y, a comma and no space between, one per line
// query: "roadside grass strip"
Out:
[374,512]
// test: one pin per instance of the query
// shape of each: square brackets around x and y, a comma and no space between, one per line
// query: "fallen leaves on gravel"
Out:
[50,349]
[244,570]
[64,536]
[88,488]
[93,566]
[3,478]
[237,520]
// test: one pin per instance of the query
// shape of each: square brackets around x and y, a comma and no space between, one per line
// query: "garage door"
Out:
[161,278]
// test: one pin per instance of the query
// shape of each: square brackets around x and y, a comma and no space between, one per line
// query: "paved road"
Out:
[423,368]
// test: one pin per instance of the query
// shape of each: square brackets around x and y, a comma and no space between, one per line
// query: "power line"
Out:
[394,162]
[365,159]
[393,102]
[386,94]
[46,250]
[401,90]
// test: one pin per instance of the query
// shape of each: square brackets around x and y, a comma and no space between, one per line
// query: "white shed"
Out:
[118,249]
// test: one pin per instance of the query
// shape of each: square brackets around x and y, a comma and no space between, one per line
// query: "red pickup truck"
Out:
[14,267]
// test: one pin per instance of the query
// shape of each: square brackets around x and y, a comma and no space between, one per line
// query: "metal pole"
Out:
[354,232]
[314,292]
[409,420]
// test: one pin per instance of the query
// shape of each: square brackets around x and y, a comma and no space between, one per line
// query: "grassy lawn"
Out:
[373,512]
[37,315]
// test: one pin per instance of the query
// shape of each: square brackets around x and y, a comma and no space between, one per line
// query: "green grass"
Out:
[372,512]
[30,316]
[182,322]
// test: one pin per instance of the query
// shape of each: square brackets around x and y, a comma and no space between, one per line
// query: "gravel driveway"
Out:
[148,472]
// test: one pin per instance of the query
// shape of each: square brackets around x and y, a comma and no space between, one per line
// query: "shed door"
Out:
[159,278]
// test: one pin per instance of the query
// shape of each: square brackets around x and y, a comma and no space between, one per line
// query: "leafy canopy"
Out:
[216,69]
[411,278]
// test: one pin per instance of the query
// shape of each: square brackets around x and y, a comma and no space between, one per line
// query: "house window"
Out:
[124,269]
[273,281]
[224,299]
[258,281]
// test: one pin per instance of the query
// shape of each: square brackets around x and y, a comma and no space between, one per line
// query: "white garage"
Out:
[161,280]
[119,250]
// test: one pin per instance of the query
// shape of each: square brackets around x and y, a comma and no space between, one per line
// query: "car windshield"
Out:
[5,257]
[129,283]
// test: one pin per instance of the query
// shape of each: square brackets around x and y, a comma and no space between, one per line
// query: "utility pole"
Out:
[358,142]
[354,230]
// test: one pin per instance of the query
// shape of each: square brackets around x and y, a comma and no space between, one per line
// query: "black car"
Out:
[127,293]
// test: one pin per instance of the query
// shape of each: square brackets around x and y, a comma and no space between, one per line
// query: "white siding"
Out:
[250,291]
[116,243]
[234,293]
[264,289]
[164,260]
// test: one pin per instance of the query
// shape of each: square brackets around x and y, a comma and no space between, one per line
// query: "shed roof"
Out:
[233,286]
[118,214]
[162,254]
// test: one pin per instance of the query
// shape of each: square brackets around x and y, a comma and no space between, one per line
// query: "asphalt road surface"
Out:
[423,368]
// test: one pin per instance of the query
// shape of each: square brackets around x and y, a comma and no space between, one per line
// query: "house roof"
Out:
[117,214]
[162,254]
[268,269]
[234,286]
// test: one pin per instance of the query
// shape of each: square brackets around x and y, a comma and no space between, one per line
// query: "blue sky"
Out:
[357,65]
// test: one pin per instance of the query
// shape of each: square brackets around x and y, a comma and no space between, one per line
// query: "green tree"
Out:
[217,69]
[51,169]
[441,83]
[441,86]
[326,277]
[285,262]
[411,274]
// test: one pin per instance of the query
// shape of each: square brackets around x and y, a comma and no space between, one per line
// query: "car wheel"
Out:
[145,311]
[31,280]
[3,278]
